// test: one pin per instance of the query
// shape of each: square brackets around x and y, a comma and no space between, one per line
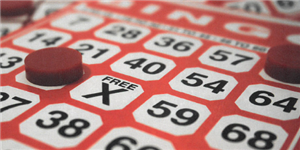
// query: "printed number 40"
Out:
[137,63]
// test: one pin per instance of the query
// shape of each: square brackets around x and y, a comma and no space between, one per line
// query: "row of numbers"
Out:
[234,60]
[213,86]
[96,52]
[74,124]
[248,134]
[286,7]
[67,126]
[216,86]
[191,80]
[164,112]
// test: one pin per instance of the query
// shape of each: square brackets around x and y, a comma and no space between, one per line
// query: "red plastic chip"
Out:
[53,66]
[15,8]
[283,63]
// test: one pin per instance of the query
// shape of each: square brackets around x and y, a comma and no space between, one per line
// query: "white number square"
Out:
[14,102]
[61,125]
[143,66]
[171,114]
[77,22]
[42,38]
[203,83]
[130,138]
[122,33]
[287,7]
[228,58]
[10,60]
[95,52]
[173,44]
[106,92]
[270,101]
[238,132]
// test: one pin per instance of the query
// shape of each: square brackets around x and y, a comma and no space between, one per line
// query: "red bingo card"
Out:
[154,75]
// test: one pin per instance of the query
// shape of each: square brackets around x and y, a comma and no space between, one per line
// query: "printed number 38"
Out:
[63,129]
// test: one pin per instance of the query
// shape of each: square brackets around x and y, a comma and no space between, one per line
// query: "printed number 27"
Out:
[5,96]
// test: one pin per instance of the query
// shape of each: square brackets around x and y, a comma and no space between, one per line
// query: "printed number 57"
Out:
[222,55]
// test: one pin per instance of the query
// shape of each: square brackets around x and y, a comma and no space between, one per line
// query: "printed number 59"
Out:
[179,113]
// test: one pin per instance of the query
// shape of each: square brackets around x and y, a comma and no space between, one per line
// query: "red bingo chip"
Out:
[53,66]
[16,8]
[283,63]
